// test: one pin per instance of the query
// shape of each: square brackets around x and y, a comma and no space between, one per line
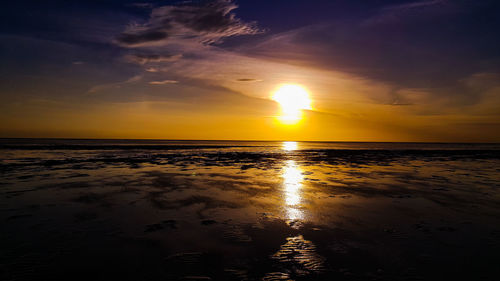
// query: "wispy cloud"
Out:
[164,82]
[179,43]
[415,5]
[143,5]
[418,10]
[206,22]
[248,80]
[151,58]
[117,85]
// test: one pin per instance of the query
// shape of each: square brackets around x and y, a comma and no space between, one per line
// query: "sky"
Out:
[374,70]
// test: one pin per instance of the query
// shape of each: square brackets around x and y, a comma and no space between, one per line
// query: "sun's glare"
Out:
[290,145]
[292,99]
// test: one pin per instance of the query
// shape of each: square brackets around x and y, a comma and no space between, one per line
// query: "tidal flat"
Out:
[207,210]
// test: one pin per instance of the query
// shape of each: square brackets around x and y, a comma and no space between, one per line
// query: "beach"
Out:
[231,210]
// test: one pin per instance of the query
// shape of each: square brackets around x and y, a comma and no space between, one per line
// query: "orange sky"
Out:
[368,78]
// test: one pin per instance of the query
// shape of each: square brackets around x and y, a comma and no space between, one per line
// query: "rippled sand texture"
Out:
[248,211]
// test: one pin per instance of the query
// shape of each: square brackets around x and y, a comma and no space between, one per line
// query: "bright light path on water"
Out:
[292,182]
[290,145]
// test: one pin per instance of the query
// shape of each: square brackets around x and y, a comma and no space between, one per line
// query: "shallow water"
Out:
[209,210]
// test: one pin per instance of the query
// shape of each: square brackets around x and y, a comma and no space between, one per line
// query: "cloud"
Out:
[141,5]
[412,11]
[151,58]
[117,85]
[206,22]
[415,5]
[248,80]
[135,38]
[164,82]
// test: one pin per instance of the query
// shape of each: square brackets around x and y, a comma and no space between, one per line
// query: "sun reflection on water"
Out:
[290,145]
[292,181]
[298,255]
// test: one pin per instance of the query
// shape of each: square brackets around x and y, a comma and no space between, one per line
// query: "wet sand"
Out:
[248,211]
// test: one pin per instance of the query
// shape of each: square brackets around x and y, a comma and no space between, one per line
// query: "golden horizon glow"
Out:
[292,99]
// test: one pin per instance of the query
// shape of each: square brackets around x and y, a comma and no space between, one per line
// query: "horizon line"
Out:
[239,140]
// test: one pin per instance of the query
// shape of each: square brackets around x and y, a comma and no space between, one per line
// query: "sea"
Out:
[91,209]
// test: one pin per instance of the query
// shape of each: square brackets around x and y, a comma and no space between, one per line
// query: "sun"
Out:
[292,99]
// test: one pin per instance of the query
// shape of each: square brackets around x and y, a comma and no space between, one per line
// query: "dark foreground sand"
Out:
[248,213]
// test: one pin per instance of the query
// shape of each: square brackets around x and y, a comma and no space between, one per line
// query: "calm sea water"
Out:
[238,210]
[248,145]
